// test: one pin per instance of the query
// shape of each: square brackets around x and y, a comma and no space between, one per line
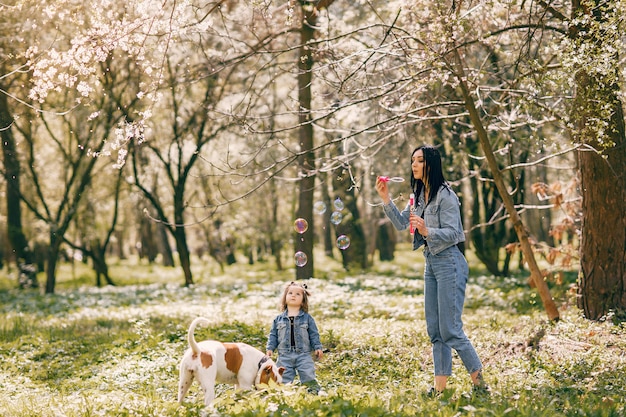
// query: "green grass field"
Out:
[115,351]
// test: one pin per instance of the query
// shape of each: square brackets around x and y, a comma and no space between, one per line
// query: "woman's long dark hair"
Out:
[433,173]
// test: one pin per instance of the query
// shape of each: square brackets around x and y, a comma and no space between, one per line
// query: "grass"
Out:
[114,351]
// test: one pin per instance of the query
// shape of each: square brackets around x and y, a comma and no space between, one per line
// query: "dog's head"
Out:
[269,371]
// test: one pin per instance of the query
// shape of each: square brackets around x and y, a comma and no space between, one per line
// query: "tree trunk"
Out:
[488,238]
[385,240]
[522,233]
[274,237]
[306,160]
[147,245]
[51,264]
[22,254]
[354,255]
[164,247]
[602,283]
[327,236]
[98,256]
[183,254]
[180,236]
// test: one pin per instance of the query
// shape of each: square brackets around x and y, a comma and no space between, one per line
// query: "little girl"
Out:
[295,335]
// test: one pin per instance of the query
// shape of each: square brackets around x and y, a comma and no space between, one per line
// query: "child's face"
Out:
[295,296]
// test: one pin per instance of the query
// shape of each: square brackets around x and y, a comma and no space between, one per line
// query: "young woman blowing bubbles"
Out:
[436,219]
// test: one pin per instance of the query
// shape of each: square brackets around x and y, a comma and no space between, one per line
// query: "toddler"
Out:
[294,334]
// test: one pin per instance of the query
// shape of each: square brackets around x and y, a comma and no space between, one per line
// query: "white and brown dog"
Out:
[230,363]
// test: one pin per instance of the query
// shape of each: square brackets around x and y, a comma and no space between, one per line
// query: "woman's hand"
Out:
[383,190]
[418,223]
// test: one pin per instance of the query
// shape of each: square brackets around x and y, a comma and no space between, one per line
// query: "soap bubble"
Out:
[336,217]
[301,225]
[301,258]
[338,204]
[343,242]
[319,207]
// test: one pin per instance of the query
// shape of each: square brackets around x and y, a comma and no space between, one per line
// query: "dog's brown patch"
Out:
[233,357]
[206,359]
[266,375]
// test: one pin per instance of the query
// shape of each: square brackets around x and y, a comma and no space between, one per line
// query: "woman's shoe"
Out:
[481,390]
[433,393]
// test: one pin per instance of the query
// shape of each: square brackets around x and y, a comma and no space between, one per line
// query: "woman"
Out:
[436,221]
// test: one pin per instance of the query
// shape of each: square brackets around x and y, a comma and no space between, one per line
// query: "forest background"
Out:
[185,132]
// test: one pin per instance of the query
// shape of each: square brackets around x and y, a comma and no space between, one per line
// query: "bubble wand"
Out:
[411,208]
[384,178]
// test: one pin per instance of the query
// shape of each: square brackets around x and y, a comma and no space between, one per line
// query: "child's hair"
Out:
[305,297]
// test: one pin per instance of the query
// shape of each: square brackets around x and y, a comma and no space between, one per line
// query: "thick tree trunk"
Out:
[306,161]
[22,254]
[602,283]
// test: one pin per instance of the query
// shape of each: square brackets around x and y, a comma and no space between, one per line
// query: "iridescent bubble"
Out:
[343,242]
[319,207]
[301,225]
[336,217]
[338,204]
[301,258]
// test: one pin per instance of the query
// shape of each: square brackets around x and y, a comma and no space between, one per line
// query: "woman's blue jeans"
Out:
[445,278]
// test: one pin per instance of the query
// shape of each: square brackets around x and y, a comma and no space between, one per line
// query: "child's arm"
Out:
[314,338]
[272,340]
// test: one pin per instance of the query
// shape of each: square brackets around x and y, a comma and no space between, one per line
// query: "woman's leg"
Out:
[442,354]
[451,272]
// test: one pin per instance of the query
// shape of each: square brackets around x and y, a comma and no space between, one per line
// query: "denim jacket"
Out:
[306,334]
[441,216]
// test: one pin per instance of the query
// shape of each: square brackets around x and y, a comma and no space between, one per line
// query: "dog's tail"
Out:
[190,338]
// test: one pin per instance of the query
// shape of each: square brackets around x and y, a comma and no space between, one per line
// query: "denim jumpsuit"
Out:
[445,277]
[296,357]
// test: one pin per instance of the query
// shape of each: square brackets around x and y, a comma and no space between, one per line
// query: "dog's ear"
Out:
[281,370]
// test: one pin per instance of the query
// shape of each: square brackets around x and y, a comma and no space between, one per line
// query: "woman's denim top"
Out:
[305,330]
[442,216]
